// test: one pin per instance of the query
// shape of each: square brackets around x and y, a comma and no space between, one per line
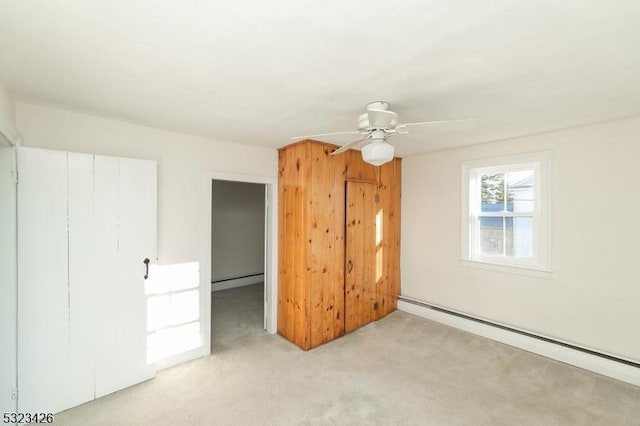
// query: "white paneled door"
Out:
[43,281]
[81,285]
[138,229]
[85,225]
[106,202]
[125,212]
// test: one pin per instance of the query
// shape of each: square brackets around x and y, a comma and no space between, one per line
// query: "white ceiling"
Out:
[259,72]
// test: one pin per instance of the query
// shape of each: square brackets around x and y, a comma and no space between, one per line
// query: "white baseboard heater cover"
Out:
[588,359]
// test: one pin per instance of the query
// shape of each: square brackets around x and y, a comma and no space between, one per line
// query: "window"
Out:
[506,211]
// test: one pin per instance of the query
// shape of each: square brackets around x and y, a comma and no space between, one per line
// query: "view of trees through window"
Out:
[493,189]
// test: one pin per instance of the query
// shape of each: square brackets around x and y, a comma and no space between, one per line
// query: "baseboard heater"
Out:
[237,278]
[521,332]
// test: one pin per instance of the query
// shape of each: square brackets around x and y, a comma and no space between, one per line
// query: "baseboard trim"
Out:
[238,282]
[623,370]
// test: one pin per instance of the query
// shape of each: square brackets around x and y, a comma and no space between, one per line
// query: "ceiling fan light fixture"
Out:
[376,124]
[378,152]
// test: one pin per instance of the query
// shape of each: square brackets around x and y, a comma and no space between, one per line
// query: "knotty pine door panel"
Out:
[360,255]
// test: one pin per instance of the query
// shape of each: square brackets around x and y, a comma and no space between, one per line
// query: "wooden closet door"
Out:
[360,255]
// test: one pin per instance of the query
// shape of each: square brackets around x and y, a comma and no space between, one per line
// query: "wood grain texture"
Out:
[316,296]
[286,244]
[386,283]
[339,201]
[350,278]
[360,293]
[283,256]
[389,189]
[354,165]
[317,207]
[395,194]
[370,201]
[300,253]
[326,224]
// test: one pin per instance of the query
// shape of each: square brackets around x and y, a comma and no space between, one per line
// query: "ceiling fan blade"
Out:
[430,123]
[380,118]
[297,138]
[348,146]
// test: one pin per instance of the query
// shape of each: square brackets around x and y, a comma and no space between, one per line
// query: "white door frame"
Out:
[271,249]
[9,278]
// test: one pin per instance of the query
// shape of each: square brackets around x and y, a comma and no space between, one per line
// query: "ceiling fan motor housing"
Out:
[378,105]
[377,116]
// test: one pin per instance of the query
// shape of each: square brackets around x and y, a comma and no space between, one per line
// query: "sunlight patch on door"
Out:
[379,239]
[173,310]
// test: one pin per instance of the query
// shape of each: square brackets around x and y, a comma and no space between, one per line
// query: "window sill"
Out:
[529,271]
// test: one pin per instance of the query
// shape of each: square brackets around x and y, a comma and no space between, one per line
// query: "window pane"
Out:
[492,236]
[506,236]
[522,238]
[492,192]
[520,190]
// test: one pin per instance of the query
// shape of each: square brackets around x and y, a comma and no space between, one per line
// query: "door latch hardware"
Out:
[146,268]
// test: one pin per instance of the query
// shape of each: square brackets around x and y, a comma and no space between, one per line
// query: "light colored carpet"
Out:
[237,315]
[401,370]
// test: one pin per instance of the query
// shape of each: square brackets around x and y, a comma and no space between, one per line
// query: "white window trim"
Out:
[542,239]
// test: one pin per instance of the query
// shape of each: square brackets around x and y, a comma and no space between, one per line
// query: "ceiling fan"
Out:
[376,125]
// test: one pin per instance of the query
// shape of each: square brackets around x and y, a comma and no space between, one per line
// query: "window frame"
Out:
[540,162]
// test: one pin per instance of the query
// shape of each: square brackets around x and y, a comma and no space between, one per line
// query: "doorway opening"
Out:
[239,246]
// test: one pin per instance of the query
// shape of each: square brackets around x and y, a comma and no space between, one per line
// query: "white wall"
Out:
[183,160]
[237,229]
[591,298]
[7,115]
[7,106]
